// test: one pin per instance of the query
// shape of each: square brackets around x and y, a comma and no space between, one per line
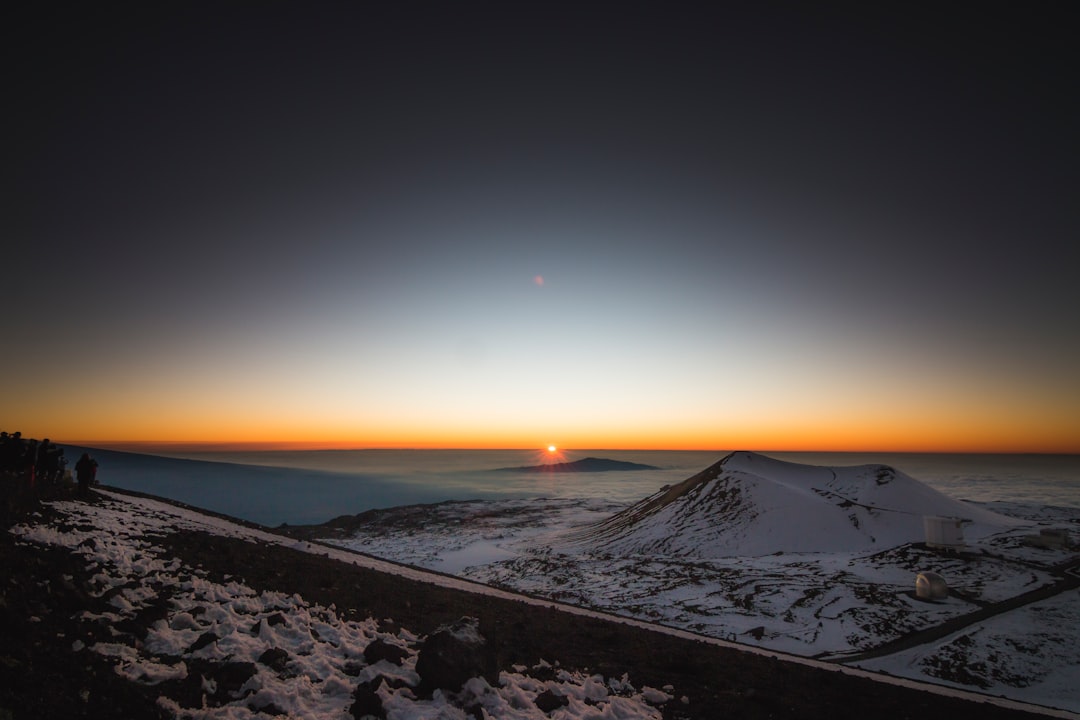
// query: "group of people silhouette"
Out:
[41,463]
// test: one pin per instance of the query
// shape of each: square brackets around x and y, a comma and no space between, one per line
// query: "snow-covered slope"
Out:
[749,504]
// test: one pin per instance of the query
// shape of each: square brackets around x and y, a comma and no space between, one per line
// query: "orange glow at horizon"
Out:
[842,428]
[826,438]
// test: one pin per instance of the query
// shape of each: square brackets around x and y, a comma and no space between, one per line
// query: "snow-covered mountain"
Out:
[749,504]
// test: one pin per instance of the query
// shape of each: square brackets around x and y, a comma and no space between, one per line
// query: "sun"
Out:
[549,454]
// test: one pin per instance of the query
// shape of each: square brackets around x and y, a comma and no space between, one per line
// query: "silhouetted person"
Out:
[30,462]
[48,464]
[86,473]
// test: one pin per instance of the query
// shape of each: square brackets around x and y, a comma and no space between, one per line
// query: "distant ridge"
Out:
[585,465]
[750,504]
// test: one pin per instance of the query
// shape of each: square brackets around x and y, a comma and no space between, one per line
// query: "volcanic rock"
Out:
[453,654]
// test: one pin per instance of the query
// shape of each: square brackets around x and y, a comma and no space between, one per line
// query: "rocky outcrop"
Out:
[452,655]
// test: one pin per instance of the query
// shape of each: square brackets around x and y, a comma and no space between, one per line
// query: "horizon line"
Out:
[317,446]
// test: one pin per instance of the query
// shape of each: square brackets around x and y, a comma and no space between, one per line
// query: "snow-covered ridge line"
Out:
[749,504]
[191,519]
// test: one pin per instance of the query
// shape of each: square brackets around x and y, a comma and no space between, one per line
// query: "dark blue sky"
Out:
[755,224]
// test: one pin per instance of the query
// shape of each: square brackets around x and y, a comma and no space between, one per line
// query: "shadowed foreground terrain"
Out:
[43,675]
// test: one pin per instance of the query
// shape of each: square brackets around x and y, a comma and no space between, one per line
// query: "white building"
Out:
[943,532]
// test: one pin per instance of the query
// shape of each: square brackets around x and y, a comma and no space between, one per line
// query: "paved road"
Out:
[1068,578]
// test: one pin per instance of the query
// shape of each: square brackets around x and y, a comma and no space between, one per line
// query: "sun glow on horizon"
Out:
[551,455]
[841,441]
[848,429]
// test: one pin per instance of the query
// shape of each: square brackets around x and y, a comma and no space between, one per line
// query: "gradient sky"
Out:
[768,226]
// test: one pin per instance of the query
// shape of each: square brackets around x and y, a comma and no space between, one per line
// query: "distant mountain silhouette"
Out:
[584,465]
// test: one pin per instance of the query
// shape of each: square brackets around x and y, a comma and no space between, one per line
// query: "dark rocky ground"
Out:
[43,590]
